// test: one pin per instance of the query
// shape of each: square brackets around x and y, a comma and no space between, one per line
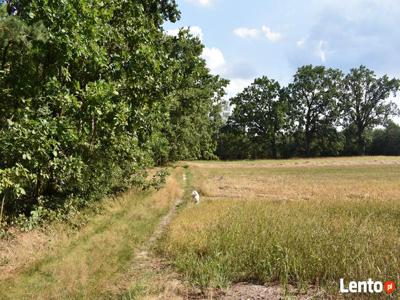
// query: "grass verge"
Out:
[91,263]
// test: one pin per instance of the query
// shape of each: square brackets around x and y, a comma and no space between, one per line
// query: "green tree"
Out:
[386,141]
[365,104]
[194,103]
[260,109]
[234,144]
[313,98]
[94,92]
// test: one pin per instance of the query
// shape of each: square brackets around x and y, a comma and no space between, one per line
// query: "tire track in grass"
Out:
[147,268]
[166,220]
[92,260]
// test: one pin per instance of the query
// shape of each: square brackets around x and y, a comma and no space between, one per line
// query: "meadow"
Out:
[303,222]
[297,225]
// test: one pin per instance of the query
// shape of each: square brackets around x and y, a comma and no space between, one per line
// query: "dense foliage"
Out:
[321,113]
[91,94]
[385,141]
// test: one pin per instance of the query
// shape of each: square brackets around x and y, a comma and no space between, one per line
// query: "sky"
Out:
[247,39]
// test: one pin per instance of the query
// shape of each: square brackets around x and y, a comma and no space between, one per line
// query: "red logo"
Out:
[389,287]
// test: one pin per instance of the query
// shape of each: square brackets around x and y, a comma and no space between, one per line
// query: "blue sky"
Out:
[247,39]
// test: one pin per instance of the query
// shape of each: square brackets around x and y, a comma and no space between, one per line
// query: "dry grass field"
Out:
[300,222]
[296,226]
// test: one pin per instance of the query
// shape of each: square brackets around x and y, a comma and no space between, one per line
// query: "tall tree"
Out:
[194,104]
[260,109]
[314,95]
[365,101]
[94,92]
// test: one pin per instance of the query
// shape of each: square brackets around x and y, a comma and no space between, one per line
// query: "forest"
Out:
[323,112]
[94,93]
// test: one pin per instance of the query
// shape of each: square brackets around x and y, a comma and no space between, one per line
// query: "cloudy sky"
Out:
[247,39]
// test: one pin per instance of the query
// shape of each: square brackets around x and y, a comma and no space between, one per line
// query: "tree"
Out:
[260,109]
[386,141]
[364,102]
[234,144]
[194,102]
[94,92]
[313,98]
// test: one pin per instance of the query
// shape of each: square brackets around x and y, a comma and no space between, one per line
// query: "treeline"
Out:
[323,112]
[91,94]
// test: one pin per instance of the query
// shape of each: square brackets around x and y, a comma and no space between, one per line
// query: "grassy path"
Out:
[98,262]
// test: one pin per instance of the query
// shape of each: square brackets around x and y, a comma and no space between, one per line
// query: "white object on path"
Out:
[196,197]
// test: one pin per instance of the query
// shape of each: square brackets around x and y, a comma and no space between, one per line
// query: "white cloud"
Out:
[201,2]
[215,60]
[321,50]
[195,30]
[271,36]
[236,86]
[301,43]
[244,32]
[173,32]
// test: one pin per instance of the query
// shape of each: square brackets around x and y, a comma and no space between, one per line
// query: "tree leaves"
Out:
[364,101]
[260,110]
[322,112]
[94,92]
[314,96]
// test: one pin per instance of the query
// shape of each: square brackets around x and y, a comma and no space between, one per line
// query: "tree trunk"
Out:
[2,208]
[360,141]
[308,143]
[273,140]
[273,145]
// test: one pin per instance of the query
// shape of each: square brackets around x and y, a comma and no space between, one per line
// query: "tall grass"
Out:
[306,241]
[295,242]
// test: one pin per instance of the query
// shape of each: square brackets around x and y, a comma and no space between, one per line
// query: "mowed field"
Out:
[305,222]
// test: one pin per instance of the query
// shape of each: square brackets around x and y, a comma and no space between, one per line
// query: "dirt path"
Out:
[144,253]
[149,276]
[146,263]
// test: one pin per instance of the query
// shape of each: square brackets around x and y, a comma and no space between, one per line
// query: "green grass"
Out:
[333,221]
[97,261]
